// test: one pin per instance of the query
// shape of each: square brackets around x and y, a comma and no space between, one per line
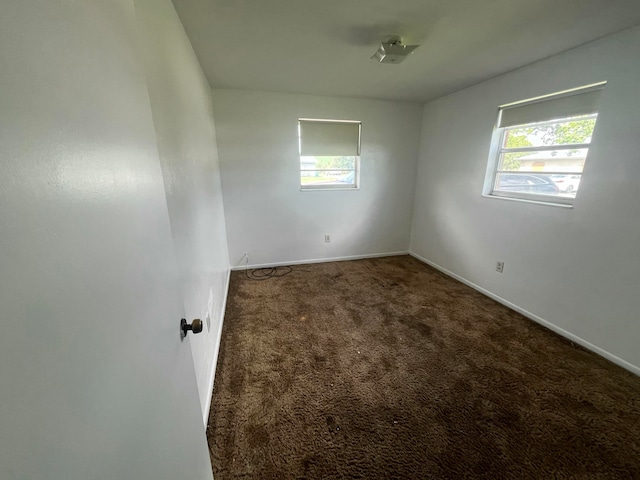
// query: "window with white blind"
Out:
[540,146]
[329,154]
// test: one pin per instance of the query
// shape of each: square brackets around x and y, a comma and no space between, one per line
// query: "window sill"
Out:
[526,200]
[325,189]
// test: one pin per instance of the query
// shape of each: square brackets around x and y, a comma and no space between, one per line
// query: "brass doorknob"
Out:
[195,326]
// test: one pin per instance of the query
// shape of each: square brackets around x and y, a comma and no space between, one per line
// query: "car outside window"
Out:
[540,146]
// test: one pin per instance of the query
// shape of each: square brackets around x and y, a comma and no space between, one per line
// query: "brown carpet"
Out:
[388,369]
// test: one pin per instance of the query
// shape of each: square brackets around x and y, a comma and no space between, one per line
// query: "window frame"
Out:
[497,150]
[331,186]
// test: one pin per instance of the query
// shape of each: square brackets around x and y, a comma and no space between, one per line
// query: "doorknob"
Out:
[195,326]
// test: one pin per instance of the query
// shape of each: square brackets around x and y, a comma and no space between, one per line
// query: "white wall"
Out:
[578,268]
[95,382]
[267,214]
[181,105]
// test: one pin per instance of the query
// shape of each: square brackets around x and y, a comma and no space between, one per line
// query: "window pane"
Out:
[329,163]
[340,178]
[510,162]
[564,132]
[561,185]
[567,184]
[541,146]
[526,183]
[553,161]
[330,172]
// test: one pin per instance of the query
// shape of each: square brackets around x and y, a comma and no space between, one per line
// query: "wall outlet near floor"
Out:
[327,238]
[499,267]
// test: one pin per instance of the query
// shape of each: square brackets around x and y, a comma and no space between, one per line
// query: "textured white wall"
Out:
[267,214]
[579,268]
[95,382]
[181,105]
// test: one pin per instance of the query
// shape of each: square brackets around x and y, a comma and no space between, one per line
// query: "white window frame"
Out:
[497,149]
[331,186]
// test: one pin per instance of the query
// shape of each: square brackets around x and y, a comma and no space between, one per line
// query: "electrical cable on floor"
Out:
[265,273]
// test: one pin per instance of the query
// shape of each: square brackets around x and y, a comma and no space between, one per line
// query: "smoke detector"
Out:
[393,51]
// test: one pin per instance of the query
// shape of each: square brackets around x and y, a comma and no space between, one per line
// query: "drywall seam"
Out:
[320,260]
[545,323]
[207,406]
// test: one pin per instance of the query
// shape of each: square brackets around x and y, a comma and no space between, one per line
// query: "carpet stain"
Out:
[417,325]
[387,369]
[257,435]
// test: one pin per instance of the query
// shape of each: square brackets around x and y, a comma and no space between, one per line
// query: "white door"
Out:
[95,382]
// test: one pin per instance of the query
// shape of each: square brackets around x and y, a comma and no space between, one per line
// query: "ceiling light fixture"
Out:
[393,51]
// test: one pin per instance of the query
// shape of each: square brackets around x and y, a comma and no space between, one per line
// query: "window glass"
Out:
[543,160]
[329,154]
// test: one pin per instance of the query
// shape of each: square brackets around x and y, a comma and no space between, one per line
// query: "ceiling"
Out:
[323,47]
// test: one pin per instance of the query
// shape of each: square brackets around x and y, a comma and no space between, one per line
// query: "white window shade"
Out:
[323,139]
[550,108]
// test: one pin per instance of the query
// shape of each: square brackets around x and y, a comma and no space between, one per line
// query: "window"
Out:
[329,154]
[540,146]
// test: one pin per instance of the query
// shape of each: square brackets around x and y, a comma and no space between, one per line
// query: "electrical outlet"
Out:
[327,238]
[499,267]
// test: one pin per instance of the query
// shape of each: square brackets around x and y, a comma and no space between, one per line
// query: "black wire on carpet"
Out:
[266,273]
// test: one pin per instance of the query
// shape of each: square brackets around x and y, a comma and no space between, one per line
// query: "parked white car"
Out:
[566,183]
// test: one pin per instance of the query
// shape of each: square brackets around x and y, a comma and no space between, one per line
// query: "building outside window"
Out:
[540,146]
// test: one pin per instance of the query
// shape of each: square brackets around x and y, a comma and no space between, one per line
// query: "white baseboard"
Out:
[319,260]
[560,331]
[207,407]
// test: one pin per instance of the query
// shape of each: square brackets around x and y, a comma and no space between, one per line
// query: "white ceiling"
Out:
[322,47]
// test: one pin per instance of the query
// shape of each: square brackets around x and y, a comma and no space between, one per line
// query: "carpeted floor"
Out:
[388,369]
